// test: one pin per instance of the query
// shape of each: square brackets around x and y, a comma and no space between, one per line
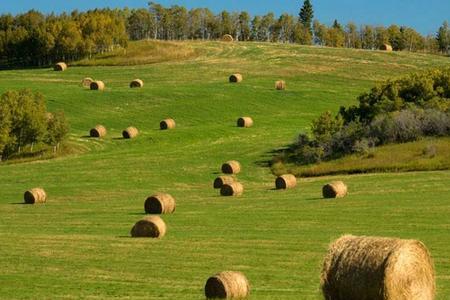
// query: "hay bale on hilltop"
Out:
[167,124]
[280,85]
[287,181]
[137,83]
[151,226]
[386,47]
[236,78]
[98,131]
[60,67]
[335,189]
[130,133]
[227,285]
[160,204]
[227,38]
[231,167]
[97,85]
[222,180]
[377,268]
[245,122]
[232,189]
[86,82]
[36,195]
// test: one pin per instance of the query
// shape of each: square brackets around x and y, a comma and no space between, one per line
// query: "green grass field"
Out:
[78,245]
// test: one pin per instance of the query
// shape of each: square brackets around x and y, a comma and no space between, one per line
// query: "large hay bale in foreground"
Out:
[336,189]
[236,78]
[227,38]
[222,180]
[386,47]
[287,181]
[137,83]
[36,195]
[167,124]
[227,285]
[97,85]
[231,167]
[98,131]
[130,133]
[373,268]
[160,204]
[245,122]
[151,226]
[60,67]
[232,189]
[86,82]
[280,85]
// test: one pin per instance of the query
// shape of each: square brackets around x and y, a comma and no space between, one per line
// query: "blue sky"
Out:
[424,15]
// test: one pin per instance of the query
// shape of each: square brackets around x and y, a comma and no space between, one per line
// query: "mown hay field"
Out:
[78,244]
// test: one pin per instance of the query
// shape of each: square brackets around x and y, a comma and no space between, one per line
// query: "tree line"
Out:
[34,39]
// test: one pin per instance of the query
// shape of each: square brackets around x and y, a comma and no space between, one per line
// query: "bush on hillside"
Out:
[398,111]
[25,121]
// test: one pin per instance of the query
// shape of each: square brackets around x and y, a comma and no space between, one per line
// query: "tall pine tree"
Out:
[443,38]
[307,15]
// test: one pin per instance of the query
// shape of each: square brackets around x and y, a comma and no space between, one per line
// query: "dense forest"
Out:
[35,39]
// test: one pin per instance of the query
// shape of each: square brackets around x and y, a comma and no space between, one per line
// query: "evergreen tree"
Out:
[443,37]
[307,15]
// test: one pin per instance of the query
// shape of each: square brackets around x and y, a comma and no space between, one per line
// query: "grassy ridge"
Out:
[77,245]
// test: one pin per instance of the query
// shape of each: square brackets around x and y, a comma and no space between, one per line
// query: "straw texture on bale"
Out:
[386,47]
[130,133]
[160,204]
[232,189]
[222,180]
[231,167]
[280,85]
[245,122]
[336,189]
[167,124]
[227,38]
[97,85]
[287,181]
[151,226]
[236,78]
[227,285]
[86,82]
[98,131]
[36,195]
[61,66]
[373,268]
[137,83]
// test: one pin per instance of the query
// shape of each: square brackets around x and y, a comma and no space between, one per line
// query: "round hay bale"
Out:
[227,285]
[231,167]
[287,181]
[227,38]
[386,47]
[60,67]
[222,180]
[336,189]
[236,78]
[167,124]
[377,269]
[280,85]
[97,85]
[151,226]
[232,189]
[36,195]
[130,133]
[98,131]
[245,122]
[86,82]
[160,204]
[137,83]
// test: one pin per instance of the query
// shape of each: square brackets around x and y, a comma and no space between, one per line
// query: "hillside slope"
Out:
[80,238]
